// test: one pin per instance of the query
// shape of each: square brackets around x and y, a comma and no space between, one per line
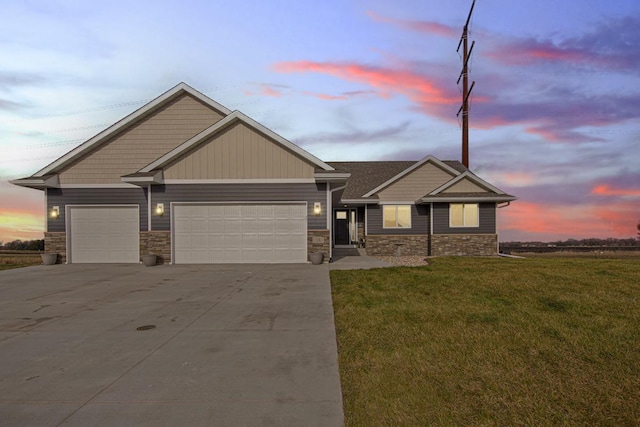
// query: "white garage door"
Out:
[240,233]
[104,234]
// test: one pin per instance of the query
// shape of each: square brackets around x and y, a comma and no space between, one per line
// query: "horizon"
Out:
[553,116]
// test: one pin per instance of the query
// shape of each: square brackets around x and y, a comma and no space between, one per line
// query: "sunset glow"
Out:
[553,118]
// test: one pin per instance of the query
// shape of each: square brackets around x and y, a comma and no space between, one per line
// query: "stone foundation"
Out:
[318,241]
[395,245]
[156,243]
[56,243]
[464,244]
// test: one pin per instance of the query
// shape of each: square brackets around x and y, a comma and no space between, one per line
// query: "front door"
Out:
[341,227]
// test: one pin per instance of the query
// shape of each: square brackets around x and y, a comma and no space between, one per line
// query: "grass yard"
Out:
[17,259]
[491,342]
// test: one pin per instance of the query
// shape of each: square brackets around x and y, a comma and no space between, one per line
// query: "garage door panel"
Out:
[242,233]
[104,234]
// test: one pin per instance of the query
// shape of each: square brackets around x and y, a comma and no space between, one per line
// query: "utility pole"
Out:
[466,90]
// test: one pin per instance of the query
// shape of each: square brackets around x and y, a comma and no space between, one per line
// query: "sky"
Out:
[554,118]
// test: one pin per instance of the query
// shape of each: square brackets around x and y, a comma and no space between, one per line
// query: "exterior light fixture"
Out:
[160,209]
[317,208]
[55,212]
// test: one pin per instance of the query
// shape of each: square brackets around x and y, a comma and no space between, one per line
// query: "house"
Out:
[187,179]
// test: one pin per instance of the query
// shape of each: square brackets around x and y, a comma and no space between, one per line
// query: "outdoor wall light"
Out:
[317,208]
[55,212]
[160,209]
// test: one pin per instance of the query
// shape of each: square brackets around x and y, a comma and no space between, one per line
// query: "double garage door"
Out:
[239,233]
[201,233]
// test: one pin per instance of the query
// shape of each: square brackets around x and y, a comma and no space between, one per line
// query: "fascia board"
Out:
[410,169]
[236,115]
[38,183]
[505,198]
[331,177]
[128,120]
[477,180]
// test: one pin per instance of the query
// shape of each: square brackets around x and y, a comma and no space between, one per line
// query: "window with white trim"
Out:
[396,216]
[463,215]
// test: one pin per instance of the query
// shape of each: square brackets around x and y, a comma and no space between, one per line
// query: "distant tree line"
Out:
[23,245]
[609,242]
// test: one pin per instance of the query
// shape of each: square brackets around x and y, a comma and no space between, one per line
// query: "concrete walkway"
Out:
[354,259]
[128,345]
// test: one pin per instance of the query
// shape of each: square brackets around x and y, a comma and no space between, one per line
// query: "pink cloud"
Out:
[269,91]
[542,221]
[418,88]
[326,96]
[418,26]
[607,190]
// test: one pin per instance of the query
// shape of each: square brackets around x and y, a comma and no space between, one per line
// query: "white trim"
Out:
[242,181]
[40,183]
[410,169]
[122,185]
[479,199]
[384,227]
[473,178]
[236,115]
[329,207]
[331,177]
[46,211]
[403,202]
[360,201]
[463,217]
[128,120]
[149,208]
[366,221]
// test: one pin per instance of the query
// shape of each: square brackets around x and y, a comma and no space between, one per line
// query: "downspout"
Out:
[330,219]
[499,207]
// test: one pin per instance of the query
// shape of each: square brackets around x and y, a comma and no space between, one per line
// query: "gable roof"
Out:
[492,193]
[410,169]
[232,118]
[139,114]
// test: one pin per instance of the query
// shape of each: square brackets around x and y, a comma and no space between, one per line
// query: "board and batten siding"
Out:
[143,142]
[465,186]
[239,152]
[94,196]
[416,184]
[204,193]
[419,221]
[487,220]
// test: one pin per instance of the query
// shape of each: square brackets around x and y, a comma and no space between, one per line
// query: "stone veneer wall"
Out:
[156,243]
[464,244]
[318,241]
[56,243]
[393,245]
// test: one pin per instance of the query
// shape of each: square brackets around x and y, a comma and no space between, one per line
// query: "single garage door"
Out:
[240,233]
[104,234]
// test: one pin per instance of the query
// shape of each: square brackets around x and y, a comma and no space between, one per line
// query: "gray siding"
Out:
[487,224]
[309,193]
[419,221]
[94,196]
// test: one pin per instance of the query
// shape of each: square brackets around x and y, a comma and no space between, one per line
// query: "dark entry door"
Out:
[341,225]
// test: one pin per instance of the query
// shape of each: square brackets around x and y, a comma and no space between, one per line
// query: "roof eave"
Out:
[38,183]
[458,199]
[331,177]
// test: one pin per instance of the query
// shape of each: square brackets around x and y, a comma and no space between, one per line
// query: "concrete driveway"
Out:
[229,345]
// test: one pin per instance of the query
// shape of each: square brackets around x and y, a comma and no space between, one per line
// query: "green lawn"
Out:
[491,342]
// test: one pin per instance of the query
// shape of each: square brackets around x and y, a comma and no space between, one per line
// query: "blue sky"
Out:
[554,117]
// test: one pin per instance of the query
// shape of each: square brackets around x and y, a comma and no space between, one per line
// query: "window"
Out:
[396,216]
[463,215]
